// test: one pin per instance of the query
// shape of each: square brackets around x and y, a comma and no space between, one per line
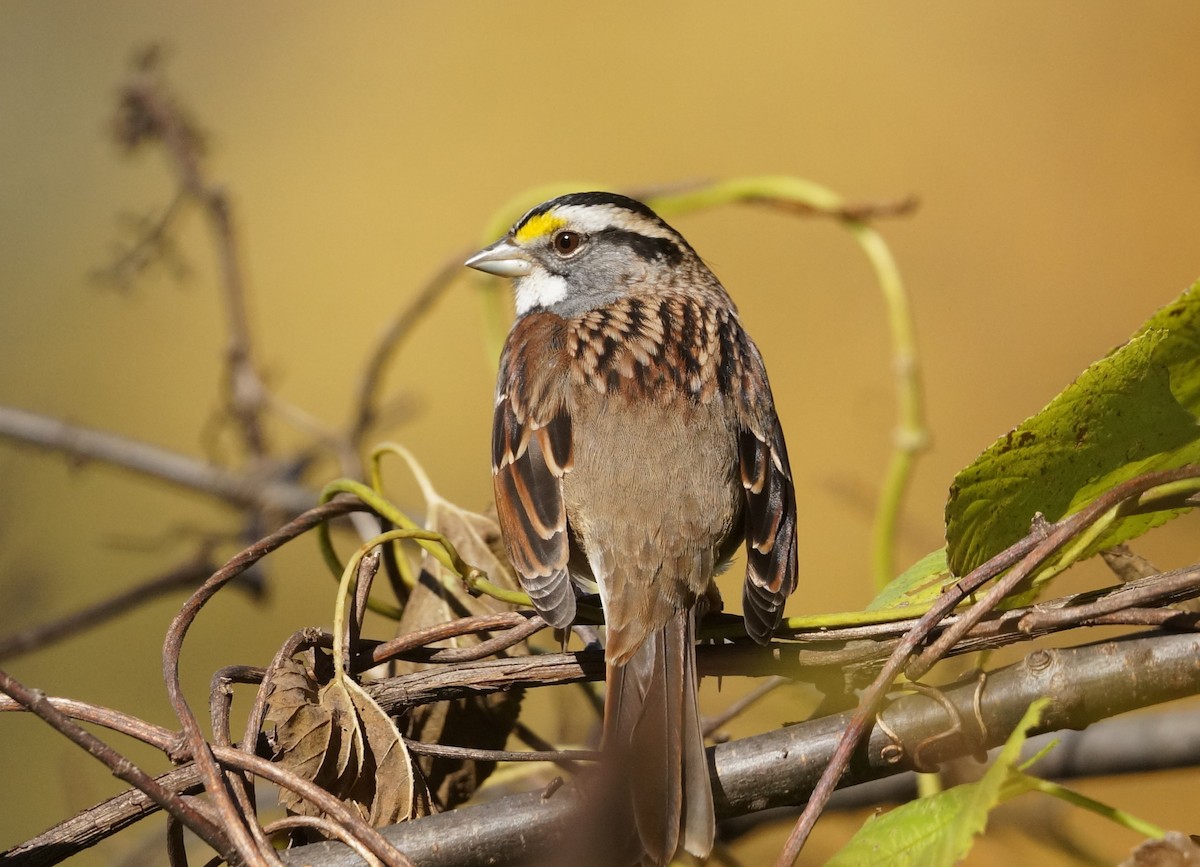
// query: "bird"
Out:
[635,446]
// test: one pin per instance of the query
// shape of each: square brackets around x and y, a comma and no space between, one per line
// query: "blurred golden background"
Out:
[1054,148]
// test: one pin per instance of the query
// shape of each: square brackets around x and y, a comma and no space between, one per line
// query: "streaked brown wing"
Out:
[770,503]
[529,458]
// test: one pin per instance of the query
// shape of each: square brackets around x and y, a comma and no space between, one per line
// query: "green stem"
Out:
[1133,823]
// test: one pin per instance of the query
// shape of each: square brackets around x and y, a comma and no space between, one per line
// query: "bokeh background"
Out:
[1055,150]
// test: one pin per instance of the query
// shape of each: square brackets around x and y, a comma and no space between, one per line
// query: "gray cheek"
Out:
[593,283]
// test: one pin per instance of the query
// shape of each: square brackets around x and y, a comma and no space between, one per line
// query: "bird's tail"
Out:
[652,736]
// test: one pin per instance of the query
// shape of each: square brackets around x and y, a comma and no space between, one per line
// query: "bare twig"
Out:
[176,847]
[44,634]
[366,407]
[739,707]
[237,825]
[518,626]
[153,243]
[531,738]
[121,767]
[148,111]
[1057,535]
[329,829]
[245,490]
[477,755]
[1159,589]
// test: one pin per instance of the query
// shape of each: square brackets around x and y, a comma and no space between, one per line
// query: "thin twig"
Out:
[397,647]
[737,708]
[220,701]
[151,110]
[331,830]
[366,410]
[532,739]
[153,243]
[121,767]
[477,755]
[491,646]
[44,634]
[82,444]
[201,751]
[1161,588]
[1057,535]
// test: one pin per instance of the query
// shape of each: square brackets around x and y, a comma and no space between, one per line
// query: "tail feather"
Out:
[652,732]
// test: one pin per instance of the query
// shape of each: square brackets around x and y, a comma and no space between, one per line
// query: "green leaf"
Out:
[1131,412]
[940,829]
[917,586]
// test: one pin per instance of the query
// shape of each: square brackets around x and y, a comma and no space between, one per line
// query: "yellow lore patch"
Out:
[539,227]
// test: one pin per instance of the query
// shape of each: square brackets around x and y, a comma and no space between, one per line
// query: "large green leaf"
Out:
[939,830]
[916,587]
[1133,411]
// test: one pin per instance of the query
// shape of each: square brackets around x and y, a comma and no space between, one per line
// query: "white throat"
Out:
[539,289]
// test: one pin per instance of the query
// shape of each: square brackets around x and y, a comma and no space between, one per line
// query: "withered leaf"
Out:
[336,736]
[302,730]
[389,790]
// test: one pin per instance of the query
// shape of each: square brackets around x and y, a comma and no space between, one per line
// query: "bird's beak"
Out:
[504,259]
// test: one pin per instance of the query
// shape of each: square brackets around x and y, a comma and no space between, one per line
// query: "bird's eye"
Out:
[566,242]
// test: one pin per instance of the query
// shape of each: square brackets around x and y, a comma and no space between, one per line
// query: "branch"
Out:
[245,834]
[782,767]
[1125,745]
[121,767]
[244,490]
[1136,744]
[37,637]
[366,407]
[149,112]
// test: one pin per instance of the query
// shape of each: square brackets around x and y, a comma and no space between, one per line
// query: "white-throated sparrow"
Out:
[635,446]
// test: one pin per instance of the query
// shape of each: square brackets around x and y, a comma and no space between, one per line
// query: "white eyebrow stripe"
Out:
[597,218]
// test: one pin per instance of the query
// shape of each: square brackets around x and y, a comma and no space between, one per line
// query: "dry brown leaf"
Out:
[336,736]
[303,730]
[389,789]
[334,699]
